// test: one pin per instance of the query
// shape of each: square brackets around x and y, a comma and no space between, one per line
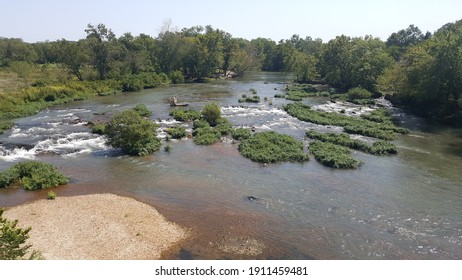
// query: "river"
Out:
[407,206]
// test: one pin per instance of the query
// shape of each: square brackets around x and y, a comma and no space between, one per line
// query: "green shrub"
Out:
[132,83]
[182,115]
[211,113]
[358,93]
[142,110]
[168,148]
[176,77]
[200,123]
[253,91]
[252,99]
[377,148]
[224,126]
[279,95]
[384,131]
[4,125]
[332,155]
[32,175]
[241,133]
[12,239]
[99,128]
[132,133]
[51,195]
[270,147]
[383,148]
[206,135]
[342,139]
[177,132]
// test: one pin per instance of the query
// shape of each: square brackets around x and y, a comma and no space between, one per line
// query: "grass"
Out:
[343,139]
[32,175]
[381,130]
[296,92]
[332,155]
[272,147]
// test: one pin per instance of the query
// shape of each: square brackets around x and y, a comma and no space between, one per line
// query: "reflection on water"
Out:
[406,206]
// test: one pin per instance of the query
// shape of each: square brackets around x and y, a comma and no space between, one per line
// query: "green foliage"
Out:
[342,139]
[51,195]
[176,77]
[211,113]
[131,83]
[241,133]
[177,132]
[249,99]
[362,126]
[200,124]
[142,110]
[32,175]
[358,93]
[428,77]
[168,148]
[5,125]
[182,115]
[206,135]
[271,147]
[377,148]
[132,133]
[12,239]
[99,128]
[224,126]
[332,155]
[383,148]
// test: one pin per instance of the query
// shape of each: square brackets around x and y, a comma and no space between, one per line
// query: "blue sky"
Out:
[40,20]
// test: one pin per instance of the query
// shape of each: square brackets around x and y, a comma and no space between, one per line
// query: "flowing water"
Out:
[407,206]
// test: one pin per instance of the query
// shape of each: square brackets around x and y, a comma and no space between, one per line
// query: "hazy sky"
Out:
[40,20]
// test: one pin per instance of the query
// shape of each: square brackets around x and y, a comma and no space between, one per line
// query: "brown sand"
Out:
[98,226]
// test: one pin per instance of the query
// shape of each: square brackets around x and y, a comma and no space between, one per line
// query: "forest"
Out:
[417,71]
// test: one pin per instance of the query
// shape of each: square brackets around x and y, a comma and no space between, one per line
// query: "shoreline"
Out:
[97,227]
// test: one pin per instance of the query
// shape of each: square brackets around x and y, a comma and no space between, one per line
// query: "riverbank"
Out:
[97,226]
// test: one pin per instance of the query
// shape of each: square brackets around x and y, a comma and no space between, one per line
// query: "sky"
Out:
[41,20]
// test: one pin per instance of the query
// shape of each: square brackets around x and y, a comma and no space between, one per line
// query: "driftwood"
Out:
[174,102]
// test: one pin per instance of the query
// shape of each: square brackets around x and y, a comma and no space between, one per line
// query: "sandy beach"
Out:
[97,226]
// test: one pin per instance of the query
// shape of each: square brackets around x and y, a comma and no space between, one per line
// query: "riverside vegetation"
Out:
[32,175]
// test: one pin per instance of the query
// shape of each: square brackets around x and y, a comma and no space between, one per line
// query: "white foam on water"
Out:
[68,145]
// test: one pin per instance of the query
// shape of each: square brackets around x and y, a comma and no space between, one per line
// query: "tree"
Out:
[99,39]
[132,133]
[398,42]
[74,56]
[211,113]
[12,239]
[23,69]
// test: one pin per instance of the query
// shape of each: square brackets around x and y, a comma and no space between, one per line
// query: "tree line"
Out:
[420,71]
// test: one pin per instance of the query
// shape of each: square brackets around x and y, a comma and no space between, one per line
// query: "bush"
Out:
[358,93]
[241,133]
[206,135]
[383,148]
[200,123]
[332,155]
[176,77]
[182,115]
[224,126]
[270,147]
[132,133]
[132,83]
[12,239]
[177,132]
[211,113]
[252,99]
[32,175]
[99,128]
[142,110]
[51,195]
[339,139]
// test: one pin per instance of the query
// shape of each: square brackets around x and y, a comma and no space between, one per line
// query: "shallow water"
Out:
[407,206]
